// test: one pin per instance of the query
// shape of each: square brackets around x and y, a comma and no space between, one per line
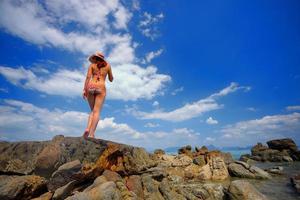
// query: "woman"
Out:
[94,90]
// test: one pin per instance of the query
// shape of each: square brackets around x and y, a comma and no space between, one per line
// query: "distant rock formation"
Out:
[74,168]
[279,150]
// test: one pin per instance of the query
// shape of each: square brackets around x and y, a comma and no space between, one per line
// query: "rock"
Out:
[196,191]
[187,150]
[287,159]
[243,190]
[157,173]
[45,196]
[181,160]
[105,191]
[199,160]
[111,176]
[216,191]
[227,157]
[159,151]
[215,169]
[258,148]
[275,170]
[19,157]
[43,158]
[21,187]
[281,144]
[125,160]
[63,174]
[151,190]
[244,170]
[168,192]
[203,149]
[134,184]
[205,172]
[295,180]
[64,191]
[125,193]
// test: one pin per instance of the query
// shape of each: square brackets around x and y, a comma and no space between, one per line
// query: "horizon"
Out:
[198,73]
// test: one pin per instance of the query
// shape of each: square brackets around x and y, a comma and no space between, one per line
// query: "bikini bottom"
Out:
[93,89]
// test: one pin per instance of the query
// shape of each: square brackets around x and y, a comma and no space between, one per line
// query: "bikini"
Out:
[94,88]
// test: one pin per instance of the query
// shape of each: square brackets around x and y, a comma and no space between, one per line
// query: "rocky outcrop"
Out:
[244,170]
[295,180]
[243,190]
[74,168]
[21,187]
[280,150]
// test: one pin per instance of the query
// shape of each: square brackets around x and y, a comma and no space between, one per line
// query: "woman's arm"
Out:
[110,75]
[88,76]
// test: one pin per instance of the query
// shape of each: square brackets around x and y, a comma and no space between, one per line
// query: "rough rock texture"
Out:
[281,144]
[43,158]
[295,180]
[244,170]
[243,190]
[279,150]
[21,187]
[78,169]
[215,169]
[63,174]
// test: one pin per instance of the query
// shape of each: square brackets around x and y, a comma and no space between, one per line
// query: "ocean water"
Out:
[279,187]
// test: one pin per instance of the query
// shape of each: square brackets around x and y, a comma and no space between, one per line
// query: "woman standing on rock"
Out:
[94,90]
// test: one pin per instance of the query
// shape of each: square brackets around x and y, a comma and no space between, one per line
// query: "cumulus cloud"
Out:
[189,110]
[292,108]
[47,23]
[151,125]
[151,55]
[211,121]
[148,25]
[131,81]
[24,121]
[155,103]
[262,129]
[180,89]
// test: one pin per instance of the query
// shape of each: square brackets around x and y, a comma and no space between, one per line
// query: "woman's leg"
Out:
[91,100]
[99,99]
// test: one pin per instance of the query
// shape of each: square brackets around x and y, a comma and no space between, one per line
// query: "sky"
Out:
[225,73]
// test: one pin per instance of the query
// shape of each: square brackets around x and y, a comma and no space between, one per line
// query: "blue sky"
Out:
[200,72]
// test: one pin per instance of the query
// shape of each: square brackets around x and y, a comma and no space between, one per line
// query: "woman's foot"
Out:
[86,134]
[92,136]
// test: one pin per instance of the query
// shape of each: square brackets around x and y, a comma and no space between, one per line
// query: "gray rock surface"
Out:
[243,190]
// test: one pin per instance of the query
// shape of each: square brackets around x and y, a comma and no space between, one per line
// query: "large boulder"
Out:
[295,180]
[215,169]
[21,187]
[281,144]
[43,158]
[63,174]
[243,190]
[244,170]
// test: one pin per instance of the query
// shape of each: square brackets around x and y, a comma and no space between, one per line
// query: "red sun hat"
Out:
[97,54]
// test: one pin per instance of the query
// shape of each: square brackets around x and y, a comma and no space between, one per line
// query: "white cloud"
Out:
[189,110]
[151,125]
[148,25]
[260,130]
[131,82]
[210,139]
[25,121]
[211,121]
[151,55]
[47,23]
[155,103]
[180,89]
[292,108]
